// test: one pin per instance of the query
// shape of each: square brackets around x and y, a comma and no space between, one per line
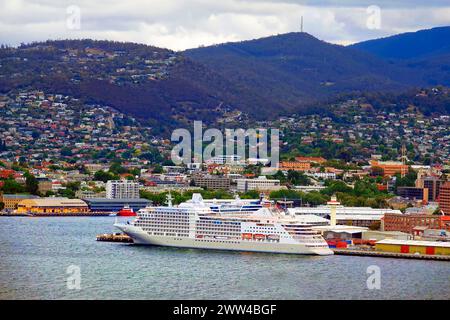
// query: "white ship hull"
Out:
[141,237]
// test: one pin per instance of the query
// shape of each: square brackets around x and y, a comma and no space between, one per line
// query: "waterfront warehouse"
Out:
[114,205]
[413,246]
[52,206]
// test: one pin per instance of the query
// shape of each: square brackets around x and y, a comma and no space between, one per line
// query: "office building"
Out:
[407,222]
[432,183]
[212,182]
[413,193]
[390,168]
[444,198]
[260,184]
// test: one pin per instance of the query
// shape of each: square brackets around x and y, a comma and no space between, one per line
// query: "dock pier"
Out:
[114,237]
[384,254]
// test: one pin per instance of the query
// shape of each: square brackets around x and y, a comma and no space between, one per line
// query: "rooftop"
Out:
[124,200]
[53,202]
[19,196]
[415,243]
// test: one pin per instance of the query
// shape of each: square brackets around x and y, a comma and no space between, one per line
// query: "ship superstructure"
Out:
[236,205]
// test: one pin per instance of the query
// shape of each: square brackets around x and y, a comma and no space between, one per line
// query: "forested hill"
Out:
[257,79]
[159,86]
[296,68]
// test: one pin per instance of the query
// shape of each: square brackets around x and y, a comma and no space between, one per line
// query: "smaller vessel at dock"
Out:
[126,211]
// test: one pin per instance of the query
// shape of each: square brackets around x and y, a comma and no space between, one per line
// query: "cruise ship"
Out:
[193,224]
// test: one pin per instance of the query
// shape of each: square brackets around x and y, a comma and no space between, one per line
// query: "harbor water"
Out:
[38,257]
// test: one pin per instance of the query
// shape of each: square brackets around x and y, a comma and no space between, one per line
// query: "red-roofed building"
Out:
[319,160]
[6,174]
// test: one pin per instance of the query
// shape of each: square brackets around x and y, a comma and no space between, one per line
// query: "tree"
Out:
[279,175]
[105,176]
[251,194]
[334,186]
[157,169]
[2,206]
[297,178]
[117,168]
[409,180]
[12,186]
[66,152]
[152,155]
[315,198]
[68,193]
[31,183]
[74,186]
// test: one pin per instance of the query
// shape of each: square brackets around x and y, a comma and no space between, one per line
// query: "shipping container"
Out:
[404,249]
[341,244]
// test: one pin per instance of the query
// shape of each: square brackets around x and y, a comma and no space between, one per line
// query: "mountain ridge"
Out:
[261,78]
[419,44]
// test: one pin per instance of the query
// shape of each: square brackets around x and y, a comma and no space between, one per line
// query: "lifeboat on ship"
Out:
[126,211]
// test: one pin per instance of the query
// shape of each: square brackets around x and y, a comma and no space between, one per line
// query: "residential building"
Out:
[295,165]
[44,186]
[122,189]
[318,160]
[324,175]
[256,161]
[87,194]
[213,182]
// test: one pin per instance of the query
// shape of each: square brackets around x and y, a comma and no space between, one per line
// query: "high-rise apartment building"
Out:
[122,189]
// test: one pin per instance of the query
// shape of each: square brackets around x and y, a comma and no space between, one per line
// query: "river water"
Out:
[39,255]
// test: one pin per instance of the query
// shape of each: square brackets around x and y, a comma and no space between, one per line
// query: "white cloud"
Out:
[181,24]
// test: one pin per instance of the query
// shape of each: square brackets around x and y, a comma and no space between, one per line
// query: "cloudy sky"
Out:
[181,24]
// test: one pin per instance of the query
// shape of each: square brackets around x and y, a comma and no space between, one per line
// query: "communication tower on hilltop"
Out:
[403,170]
